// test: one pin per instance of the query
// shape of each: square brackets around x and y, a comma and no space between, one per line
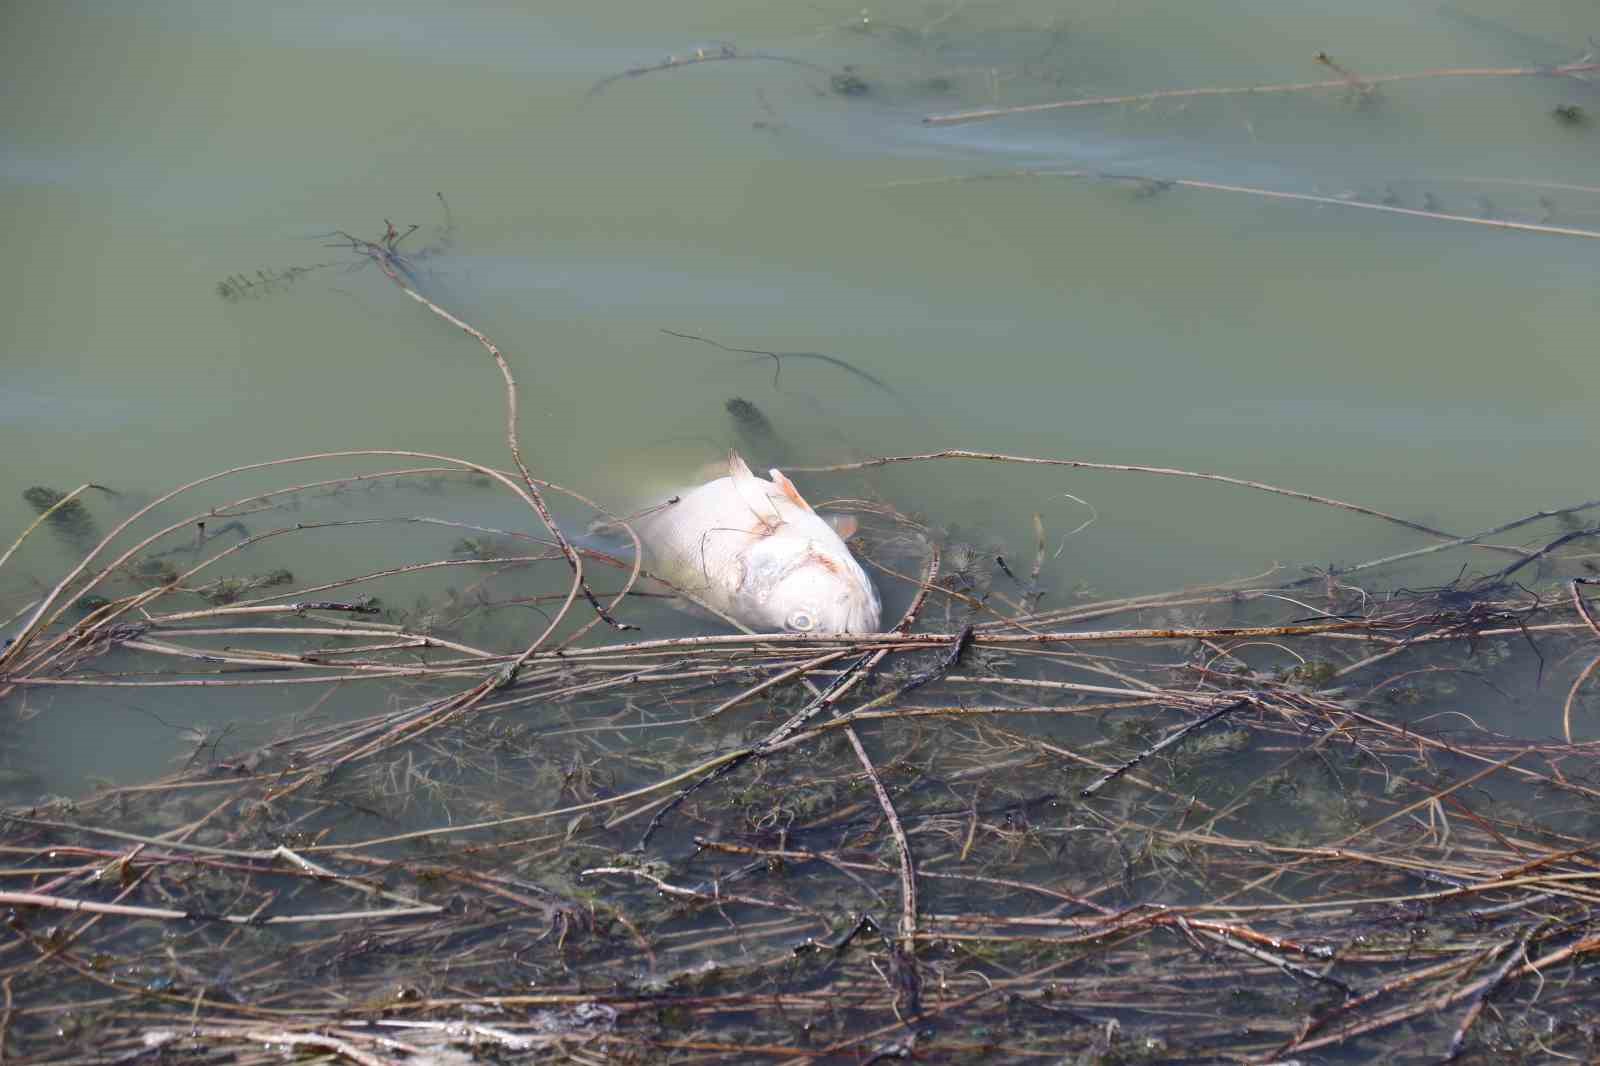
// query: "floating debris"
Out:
[849,84]
[720,52]
[1570,115]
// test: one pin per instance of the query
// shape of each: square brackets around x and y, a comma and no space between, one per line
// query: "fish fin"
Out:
[844,524]
[789,490]
[753,492]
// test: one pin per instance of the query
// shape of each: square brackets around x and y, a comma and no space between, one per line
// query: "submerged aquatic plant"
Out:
[236,287]
[1570,115]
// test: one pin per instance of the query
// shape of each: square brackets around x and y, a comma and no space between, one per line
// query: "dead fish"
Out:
[755,551]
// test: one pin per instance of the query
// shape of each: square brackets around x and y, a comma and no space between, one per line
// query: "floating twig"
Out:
[719,54]
[1564,71]
[1155,749]
[778,358]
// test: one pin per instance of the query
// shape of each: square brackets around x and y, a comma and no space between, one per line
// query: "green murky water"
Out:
[785,194]
[1437,370]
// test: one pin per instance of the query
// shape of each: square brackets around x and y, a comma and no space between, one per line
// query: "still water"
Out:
[1437,370]
[785,194]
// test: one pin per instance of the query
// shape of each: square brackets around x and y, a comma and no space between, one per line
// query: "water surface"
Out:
[1437,370]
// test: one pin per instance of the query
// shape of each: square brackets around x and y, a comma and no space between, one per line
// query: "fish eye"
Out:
[801,621]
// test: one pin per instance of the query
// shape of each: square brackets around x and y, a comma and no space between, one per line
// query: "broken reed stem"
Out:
[1172,738]
[1390,209]
[903,966]
[1517,952]
[1572,697]
[722,53]
[157,1039]
[99,619]
[384,256]
[908,876]
[33,899]
[1275,194]
[1580,605]
[984,114]
[1081,464]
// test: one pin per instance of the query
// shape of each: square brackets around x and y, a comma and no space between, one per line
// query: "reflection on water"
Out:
[644,199]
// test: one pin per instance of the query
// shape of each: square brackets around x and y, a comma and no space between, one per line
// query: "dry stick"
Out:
[710,765]
[940,669]
[439,713]
[1572,694]
[1523,182]
[105,615]
[1518,951]
[62,944]
[182,846]
[32,899]
[1313,1024]
[690,774]
[1160,746]
[771,682]
[1271,959]
[1535,967]
[821,702]
[1440,216]
[1301,197]
[890,641]
[5,1015]
[718,896]
[836,860]
[903,962]
[1472,539]
[949,1007]
[1422,739]
[1079,464]
[1358,629]
[1566,70]
[1197,595]
[403,639]
[473,1031]
[382,258]
[160,1038]
[1535,556]
[1572,697]
[1579,604]
[722,53]
[1432,797]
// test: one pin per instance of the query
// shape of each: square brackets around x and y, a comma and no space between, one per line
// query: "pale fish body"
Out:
[754,550]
